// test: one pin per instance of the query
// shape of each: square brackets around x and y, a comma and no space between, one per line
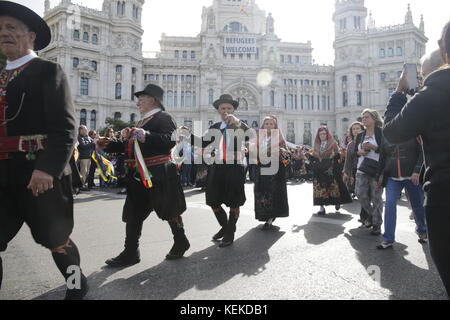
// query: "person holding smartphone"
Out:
[426,115]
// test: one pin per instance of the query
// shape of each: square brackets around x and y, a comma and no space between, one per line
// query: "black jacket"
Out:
[401,160]
[158,138]
[86,147]
[47,109]
[426,115]
[209,138]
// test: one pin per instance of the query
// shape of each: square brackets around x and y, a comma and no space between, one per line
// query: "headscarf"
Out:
[330,146]
[274,144]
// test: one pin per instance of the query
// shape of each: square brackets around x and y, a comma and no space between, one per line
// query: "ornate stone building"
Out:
[237,51]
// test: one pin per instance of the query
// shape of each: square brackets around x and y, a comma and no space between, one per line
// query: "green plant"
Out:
[116,125]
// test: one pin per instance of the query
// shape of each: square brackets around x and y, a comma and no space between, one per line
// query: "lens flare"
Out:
[264,77]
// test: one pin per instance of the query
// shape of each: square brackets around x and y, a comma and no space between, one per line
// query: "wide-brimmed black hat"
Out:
[31,19]
[153,91]
[226,98]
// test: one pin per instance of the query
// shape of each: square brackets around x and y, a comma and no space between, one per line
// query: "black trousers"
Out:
[438,223]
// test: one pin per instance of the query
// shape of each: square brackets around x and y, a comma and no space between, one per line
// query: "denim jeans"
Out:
[416,198]
[186,173]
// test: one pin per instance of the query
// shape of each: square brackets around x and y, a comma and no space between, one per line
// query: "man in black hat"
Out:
[154,183]
[226,177]
[37,137]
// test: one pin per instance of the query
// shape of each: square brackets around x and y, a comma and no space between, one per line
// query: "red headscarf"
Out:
[331,144]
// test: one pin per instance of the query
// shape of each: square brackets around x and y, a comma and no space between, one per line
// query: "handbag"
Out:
[370,167]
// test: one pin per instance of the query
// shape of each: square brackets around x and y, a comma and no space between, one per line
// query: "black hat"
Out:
[226,98]
[31,19]
[154,92]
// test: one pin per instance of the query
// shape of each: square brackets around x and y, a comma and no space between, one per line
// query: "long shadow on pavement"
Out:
[203,270]
[317,233]
[402,278]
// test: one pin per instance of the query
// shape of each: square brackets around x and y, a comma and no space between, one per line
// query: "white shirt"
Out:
[151,113]
[372,154]
[223,125]
[12,65]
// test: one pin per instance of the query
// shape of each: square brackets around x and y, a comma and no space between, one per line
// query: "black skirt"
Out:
[226,185]
[166,197]
[329,188]
[271,199]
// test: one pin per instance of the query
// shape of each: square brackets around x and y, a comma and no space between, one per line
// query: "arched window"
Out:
[85,36]
[399,51]
[117,116]
[94,39]
[193,55]
[118,91]
[76,34]
[211,96]
[235,27]
[133,118]
[94,65]
[75,62]
[83,116]
[184,54]
[93,120]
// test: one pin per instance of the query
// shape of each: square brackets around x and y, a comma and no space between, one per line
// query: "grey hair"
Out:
[434,59]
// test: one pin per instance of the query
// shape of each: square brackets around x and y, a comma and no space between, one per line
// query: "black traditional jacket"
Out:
[47,109]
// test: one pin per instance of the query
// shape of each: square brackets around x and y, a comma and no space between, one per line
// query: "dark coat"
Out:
[225,182]
[167,196]
[86,147]
[401,160]
[426,115]
[47,109]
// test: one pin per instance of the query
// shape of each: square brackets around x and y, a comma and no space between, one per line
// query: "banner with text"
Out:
[240,45]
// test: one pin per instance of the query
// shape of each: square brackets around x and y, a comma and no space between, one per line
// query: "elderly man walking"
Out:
[37,138]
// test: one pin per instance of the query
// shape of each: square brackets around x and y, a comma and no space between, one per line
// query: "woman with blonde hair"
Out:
[368,187]
[329,189]
[271,199]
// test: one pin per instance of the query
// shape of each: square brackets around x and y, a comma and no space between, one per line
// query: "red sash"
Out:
[3,156]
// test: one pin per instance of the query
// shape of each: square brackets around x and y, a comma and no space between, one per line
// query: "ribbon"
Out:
[146,177]
[105,167]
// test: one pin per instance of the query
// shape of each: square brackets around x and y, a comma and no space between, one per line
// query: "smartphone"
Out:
[413,74]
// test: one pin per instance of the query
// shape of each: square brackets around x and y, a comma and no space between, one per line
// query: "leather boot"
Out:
[68,262]
[181,243]
[131,255]
[228,239]
[222,218]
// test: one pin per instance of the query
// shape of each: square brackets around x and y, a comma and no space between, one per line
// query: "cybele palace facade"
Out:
[237,51]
